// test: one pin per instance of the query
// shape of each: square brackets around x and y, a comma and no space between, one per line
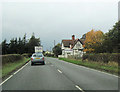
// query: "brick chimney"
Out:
[73,37]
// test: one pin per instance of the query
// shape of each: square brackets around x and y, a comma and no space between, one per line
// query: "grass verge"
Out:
[106,67]
[10,67]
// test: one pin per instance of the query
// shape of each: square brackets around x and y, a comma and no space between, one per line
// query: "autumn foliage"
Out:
[93,39]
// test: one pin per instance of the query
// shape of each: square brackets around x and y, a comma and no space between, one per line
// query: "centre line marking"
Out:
[79,88]
[59,71]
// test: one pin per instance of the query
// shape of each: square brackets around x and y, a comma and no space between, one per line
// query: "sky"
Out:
[55,19]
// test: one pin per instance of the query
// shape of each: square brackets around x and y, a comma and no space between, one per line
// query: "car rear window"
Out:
[37,55]
[40,55]
[34,55]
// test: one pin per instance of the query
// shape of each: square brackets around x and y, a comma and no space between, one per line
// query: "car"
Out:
[37,58]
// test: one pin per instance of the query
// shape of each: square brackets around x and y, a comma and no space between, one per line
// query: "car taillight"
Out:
[31,59]
[43,58]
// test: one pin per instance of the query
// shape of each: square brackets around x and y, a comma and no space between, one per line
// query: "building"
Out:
[71,47]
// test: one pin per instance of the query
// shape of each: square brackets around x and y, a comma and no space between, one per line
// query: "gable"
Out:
[78,45]
[72,43]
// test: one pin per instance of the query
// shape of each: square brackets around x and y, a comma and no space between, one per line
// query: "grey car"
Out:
[37,58]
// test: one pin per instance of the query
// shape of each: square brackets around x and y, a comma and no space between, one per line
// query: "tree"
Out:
[83,38]
[20,46]
[16,45]
[93,41]
[24,44]
[57,50]
[12,46]
[32,43]
[5,47]
[112,39]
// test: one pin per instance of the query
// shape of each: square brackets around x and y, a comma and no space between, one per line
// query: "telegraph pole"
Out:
[50,49]
[54,43]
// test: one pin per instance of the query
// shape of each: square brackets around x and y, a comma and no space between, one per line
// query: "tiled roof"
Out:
[67,43]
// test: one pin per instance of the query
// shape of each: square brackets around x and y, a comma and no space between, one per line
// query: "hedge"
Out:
[11,58]
[74,57]
[104,57]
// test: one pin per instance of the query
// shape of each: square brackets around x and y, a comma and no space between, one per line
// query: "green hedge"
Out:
[74,57]
[11,58]
[102,57]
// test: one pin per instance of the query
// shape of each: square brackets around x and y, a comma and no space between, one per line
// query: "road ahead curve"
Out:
[60,75]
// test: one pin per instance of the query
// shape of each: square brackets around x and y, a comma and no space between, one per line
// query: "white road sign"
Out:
[38,49]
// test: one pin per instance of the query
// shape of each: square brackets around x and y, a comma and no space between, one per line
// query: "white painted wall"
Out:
[75,51]
[78,45]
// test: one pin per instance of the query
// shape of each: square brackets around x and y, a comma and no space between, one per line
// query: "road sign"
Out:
[38,49]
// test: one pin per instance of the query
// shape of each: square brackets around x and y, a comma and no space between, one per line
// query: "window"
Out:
[68,53]
[34,55]
[77,45]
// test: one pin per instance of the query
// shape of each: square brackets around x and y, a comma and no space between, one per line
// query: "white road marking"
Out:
[16,72]
[20,69]
[59,71]
[6,79]
[13,74]
[79,88]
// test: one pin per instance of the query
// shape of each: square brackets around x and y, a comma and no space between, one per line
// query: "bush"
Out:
[102,57]
[11,58]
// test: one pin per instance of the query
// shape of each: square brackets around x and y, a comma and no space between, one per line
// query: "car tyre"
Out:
[32,63]
[43,63]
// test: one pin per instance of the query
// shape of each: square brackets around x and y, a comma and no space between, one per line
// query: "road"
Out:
[61,75]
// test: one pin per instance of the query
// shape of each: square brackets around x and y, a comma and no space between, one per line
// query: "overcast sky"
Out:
[56,20]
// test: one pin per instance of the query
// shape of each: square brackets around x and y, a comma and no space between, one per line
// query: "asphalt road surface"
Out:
[60,75]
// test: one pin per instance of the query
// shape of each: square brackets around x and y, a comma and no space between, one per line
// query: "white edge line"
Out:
[20,69]
[12,75]
[16,72]
[59,71]
[6,79]
[78,88]
[93,69]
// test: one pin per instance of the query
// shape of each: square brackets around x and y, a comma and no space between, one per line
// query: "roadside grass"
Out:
[9,67]
[51,56]
[111,67]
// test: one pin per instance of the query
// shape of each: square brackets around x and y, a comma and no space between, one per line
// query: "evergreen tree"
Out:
[5,47]
[112,39]
[32,43]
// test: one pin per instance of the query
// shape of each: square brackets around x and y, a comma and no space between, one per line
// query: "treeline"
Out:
[20,45]
[98,42]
